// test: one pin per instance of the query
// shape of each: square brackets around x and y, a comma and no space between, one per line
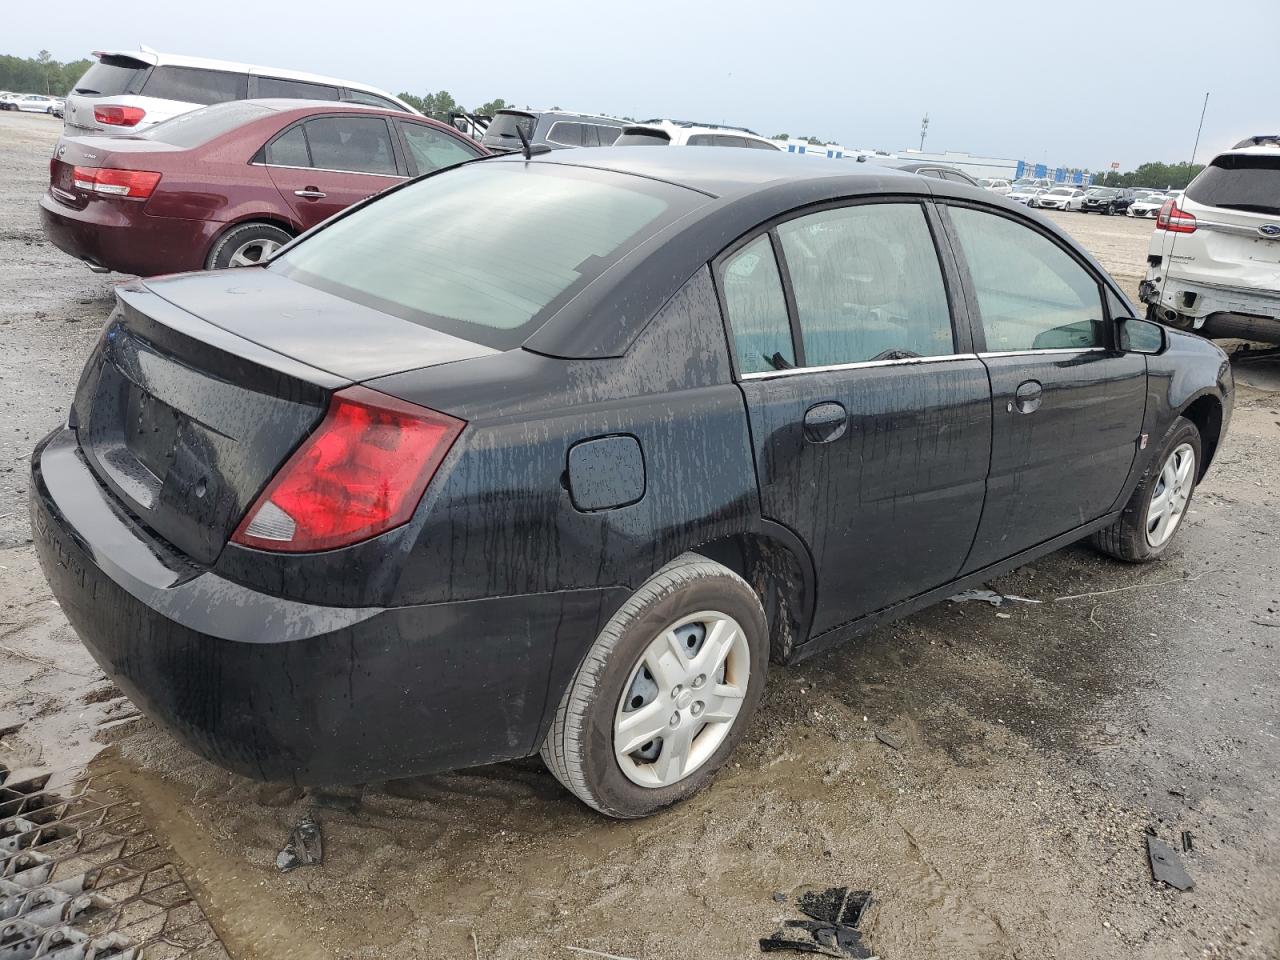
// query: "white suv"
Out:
[1214,260]
[681,133]
[127,91]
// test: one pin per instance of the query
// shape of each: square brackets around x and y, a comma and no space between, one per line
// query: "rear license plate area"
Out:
[150,431]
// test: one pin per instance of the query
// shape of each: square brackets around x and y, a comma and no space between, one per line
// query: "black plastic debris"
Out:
[889,740]
[305,846]
[1166,865]
[1187,839]
[831,930]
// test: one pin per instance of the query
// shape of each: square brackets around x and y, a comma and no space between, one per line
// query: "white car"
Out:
[35,103]
[1146,205]
[1024,194]
[1214,258]
[1058,198]
[125,92]
[680,133]
[1001,187]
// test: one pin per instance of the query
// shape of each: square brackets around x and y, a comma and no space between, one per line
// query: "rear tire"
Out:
[615,686]
[245,245]
[1131,537]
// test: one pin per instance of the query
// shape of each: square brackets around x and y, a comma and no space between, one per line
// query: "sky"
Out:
[1115,82]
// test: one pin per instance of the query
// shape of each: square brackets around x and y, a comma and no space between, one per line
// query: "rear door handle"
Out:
[824,422]
[1026,399]
[310,193]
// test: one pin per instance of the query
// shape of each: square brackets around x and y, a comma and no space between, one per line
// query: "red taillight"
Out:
[361,473]
[118,116]
[1174,219]
[137,184]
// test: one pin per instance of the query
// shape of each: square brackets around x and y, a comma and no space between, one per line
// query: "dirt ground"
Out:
[1039,741]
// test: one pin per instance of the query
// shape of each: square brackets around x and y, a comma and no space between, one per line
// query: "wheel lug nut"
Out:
[696,708]
[675,719]
[699,680]
[676,691]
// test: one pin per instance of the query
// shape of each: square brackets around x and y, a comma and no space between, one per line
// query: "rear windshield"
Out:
[1236,182]
[193,85]
[503,128]
[643,138]
[487,251]
[200,126]
[111,77]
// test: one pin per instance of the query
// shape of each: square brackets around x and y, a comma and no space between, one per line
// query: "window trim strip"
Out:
[863,364]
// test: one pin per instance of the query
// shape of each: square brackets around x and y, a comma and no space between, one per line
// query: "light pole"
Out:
[924,129]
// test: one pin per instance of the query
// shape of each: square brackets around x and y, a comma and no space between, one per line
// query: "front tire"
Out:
[1160,502]
[665,693]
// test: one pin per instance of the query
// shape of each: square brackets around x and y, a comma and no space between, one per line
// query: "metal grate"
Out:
[82,877]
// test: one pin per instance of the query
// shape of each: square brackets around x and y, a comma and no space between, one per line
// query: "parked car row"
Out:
[31,103]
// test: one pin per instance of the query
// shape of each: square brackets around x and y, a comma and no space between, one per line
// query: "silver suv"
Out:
[1214,260]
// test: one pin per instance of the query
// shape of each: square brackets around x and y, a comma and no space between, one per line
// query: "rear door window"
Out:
[289,149]
[294,89]
[757,309]
[112,77]
[371,100]
[715,140]
[569,134]
[607,134]
[1239,182]
[431,149]
[1032,294]
[867,284]
[352,144]
[193,85]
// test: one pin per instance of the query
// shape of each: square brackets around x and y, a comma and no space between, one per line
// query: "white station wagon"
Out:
[126,91]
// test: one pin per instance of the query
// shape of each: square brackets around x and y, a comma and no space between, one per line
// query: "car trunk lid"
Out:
[185,420]
[92,153]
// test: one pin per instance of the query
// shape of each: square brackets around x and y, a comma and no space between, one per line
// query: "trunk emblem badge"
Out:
[1270,230]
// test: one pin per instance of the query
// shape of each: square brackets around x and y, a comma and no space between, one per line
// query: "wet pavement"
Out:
[1038,742]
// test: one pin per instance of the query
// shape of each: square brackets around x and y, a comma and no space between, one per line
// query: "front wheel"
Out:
[1159,503]
[664,694]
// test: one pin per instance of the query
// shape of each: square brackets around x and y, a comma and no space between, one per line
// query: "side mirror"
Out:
[1141,336]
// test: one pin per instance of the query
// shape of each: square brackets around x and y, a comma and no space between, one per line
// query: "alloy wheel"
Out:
[254,251]
[1172,491]
[682,699]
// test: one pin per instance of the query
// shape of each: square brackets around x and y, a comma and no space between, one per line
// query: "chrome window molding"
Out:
[358,173]
[858,365]
[1035,353]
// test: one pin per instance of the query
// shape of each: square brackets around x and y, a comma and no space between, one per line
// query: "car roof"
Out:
[155,58]
[558,113]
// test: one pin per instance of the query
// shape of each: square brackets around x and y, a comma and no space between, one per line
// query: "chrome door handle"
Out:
[825,422]
[310,193]
[1026,399]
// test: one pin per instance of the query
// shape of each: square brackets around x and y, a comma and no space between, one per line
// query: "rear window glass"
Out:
[503,128]
[488,251]
[111,77]
[1237,182]
[196,86]
[200,126]
[643,138]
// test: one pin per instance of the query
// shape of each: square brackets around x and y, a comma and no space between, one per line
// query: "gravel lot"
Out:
[1038,741]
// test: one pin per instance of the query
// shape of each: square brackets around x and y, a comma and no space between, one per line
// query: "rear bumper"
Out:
[280,690]
[117,235]
[1201,302]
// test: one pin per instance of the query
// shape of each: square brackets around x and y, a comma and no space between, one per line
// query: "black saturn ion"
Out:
[558,454]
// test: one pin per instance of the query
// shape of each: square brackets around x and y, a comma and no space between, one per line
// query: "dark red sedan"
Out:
[227,185]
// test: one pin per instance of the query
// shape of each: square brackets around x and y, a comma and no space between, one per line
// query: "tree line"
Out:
[441,105]
[1163,176]
[40,74]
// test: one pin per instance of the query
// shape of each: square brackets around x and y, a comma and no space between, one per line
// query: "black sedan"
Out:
[557,455]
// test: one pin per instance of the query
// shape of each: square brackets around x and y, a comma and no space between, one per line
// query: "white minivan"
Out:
[1214,260]
[126,91]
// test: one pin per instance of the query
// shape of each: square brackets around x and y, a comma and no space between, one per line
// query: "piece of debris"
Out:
[832,928]
[1187,840]
[779,898]
[989,596]
[1166,865]
[597,953]
[305,846]
[1111,730]
[889,740]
